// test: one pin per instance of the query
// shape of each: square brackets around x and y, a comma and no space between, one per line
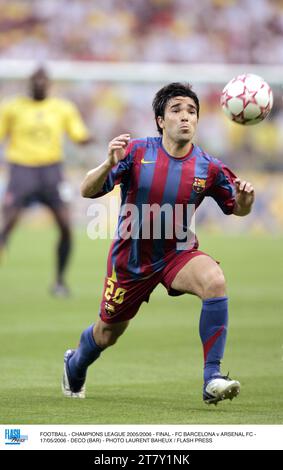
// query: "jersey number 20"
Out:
[116,295]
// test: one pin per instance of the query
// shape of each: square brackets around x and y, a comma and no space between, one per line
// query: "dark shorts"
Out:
[122,299]
[34,184]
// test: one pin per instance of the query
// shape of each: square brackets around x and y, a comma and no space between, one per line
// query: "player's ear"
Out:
[160,121]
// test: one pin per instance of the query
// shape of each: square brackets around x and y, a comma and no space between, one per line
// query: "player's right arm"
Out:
[95,179]
[5,120]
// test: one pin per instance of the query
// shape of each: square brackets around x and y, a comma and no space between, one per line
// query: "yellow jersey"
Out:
[35,129]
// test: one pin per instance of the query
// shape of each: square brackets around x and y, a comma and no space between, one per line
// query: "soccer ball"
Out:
[247,99]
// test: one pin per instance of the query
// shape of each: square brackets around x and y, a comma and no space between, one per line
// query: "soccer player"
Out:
[34,126]
[170,170]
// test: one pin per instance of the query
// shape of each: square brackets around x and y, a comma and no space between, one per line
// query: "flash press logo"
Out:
[13,437]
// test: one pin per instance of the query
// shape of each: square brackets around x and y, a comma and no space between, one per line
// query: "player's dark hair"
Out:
[40,71]
[170,91]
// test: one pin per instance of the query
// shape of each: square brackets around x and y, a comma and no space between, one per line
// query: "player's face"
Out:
[180,119]
[39,85]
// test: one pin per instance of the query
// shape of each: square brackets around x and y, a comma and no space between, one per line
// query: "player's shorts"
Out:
[122,298]
[34,184]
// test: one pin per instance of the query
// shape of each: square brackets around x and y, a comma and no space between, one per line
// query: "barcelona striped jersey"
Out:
[150,177]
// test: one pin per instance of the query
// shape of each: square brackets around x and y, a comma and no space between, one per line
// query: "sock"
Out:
[88,351]
[213,330]
[63,254]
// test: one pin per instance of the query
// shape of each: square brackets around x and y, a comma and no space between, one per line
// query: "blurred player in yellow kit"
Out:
[34,126]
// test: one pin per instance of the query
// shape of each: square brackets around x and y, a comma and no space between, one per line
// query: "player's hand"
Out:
[117,148]
[244,193]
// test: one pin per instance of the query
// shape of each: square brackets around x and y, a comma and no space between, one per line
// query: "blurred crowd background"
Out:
[165,31]
[233,31]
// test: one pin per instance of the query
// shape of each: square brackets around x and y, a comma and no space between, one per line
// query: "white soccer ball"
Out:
[247,99]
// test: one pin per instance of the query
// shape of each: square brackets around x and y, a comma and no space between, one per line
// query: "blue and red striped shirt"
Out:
[149,175]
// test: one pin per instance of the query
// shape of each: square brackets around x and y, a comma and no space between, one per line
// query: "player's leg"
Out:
[200,276]
[203,277]
[93,341]
[13,202]
[54,195]
[10,217]
[121,301]
[106,334]
[64,246]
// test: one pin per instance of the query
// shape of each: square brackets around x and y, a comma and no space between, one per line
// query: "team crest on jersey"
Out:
[199,184]
[110,309]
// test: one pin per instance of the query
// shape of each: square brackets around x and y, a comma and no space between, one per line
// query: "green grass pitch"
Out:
[153,375]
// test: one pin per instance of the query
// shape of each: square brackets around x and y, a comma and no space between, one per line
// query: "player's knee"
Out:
[215,285]
[107,337]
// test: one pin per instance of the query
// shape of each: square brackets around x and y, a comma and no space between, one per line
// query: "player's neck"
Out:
[38,96]
[176,149]
[38,99]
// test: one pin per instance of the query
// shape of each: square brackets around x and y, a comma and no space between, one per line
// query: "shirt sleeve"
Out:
[119,173]
[75,126]
[223,190]
[5,120]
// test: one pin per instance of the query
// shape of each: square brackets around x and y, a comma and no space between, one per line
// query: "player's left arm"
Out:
[234,196]
[86,141]
[5,120]
[75,127]
[244,197]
